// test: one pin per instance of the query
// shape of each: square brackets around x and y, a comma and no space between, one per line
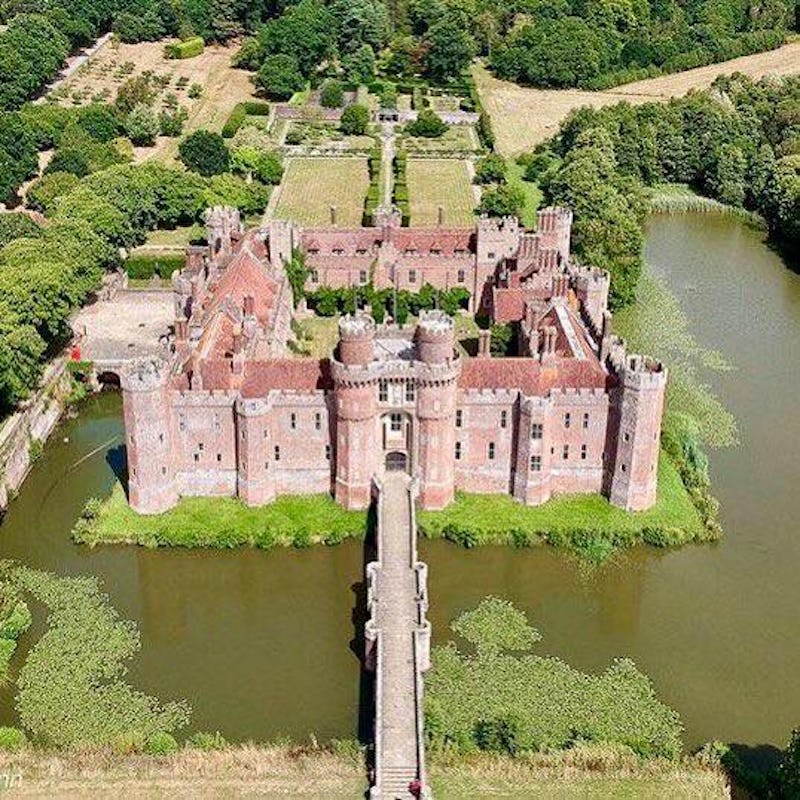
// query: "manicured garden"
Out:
[312,186]
[439,183]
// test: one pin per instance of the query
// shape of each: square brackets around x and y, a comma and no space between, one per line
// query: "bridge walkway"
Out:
[402,643]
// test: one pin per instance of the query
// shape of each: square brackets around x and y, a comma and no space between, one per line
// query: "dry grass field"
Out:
[434,183]
[223,86]
[313,774]
[312,186]
[523,117]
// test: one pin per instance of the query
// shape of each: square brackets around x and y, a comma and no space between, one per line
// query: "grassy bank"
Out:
[587,773]
[675,198]
[588,524]
[221,522]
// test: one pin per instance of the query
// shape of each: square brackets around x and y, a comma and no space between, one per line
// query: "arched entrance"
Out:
[396,431]
[396,461]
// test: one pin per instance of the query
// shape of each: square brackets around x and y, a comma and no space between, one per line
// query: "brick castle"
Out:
[235,413]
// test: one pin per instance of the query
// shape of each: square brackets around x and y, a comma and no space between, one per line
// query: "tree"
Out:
[359,23]
[502,201]
[449,49]
[99,121]
[18,154]
[359,66]
[789,769]
[205,152]
[332,94]
[137,91]
[297,272]
[142,126]
[306,31]
[14,226]
[103,218]
[491,169]
[727,182]
[355,119]
[45,191]
[21,351]
[427,124]
[280,77]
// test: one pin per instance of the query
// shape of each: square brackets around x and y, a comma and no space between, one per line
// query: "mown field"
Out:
[312,186]
[523,117]
[435,183]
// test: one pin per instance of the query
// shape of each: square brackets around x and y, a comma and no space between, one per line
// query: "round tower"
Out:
[437,371]
[355,388]
[638,408]
[148,433]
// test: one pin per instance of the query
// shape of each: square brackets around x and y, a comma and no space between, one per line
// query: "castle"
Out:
[235,413]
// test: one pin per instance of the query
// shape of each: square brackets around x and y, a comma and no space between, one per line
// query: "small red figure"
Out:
[415,787]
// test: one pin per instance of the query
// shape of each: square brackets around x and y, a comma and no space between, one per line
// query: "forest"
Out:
[588,43]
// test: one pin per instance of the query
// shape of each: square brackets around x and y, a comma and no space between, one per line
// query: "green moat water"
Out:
[260,643]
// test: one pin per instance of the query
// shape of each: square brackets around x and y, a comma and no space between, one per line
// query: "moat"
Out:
[257,642]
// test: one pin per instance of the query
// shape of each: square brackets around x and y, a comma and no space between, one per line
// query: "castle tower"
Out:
[639,405]
[147,414]
[223,224]
[255,469]
[437,382]
[591,288]
[553,226]
[532,473]
[356,408]
[496,240]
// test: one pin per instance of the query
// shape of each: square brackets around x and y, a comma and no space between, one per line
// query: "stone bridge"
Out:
[398,639]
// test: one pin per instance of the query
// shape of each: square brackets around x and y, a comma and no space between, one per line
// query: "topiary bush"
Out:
[189,48]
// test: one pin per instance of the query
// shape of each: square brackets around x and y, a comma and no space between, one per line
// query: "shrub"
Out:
[142,267]
[142,126]
[160,744]
[205,152]
[189,48]
[234,121]
[255,108]
[12,739]
[171,122]
[203,740]
[13,226]
[195,91]
[332,94]
[428,124]
[355,119]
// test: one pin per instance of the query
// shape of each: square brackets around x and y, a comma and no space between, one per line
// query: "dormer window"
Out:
[435,251]
[361,251]
[337,251]
[410,251]
[312,251]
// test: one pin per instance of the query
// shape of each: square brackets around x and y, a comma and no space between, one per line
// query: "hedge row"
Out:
[143,267]
[241,111]
[189,48]
[373,198]
[400,191]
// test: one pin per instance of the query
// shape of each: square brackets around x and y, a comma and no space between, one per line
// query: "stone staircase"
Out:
[395,783]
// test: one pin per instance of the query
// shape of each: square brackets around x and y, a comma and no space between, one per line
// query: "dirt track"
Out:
[524,117]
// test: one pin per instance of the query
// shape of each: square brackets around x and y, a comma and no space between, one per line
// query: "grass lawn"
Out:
[223,522]
[311,186]
[533,194]
[456,139]
[320,336]
[588,523]
[439,182]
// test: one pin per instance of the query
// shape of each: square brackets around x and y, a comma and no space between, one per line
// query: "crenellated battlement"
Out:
[193,398]
[489,397]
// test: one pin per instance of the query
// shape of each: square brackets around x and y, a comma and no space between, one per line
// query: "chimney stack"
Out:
[249,305]
[484,344]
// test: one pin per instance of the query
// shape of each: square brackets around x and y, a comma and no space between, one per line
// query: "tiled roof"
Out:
[530,376]
[300,374]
